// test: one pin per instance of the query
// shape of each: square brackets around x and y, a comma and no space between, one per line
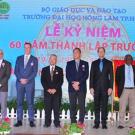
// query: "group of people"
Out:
[77,73]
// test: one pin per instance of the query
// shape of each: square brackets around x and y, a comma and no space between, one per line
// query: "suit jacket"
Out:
[57,79]
[81,75]
[5,72]
[101,80]
[29,72]
[120,78]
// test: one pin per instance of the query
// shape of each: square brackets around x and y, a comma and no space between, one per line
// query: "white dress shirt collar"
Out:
[1,60]
[77,60]
[51,67]
[27,56]
[128,65]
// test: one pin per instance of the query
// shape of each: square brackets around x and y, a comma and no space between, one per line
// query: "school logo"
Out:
[4,9]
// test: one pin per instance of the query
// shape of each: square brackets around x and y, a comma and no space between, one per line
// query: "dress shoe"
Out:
[96,126]
[57,126]
[47,125]
[18,124]
[120,127]
[104,127]
[32,124]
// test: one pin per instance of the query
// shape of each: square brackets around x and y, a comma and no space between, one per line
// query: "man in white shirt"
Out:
[125,79]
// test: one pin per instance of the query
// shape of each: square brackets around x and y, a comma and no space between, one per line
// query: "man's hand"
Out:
[110,91]
[92,91]
[76,85]
[23,81]
[53,91]
[49,91]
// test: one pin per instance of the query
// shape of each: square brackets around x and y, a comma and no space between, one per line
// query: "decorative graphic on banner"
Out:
[59,27]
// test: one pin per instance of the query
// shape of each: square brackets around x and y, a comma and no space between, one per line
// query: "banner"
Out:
[59,26]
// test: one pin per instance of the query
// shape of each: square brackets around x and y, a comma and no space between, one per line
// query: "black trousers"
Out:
[52,102]
[100,105]
[60,98]
[75,97]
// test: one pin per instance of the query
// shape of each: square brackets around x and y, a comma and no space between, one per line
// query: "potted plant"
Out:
[71,129]
[5,127]
[132,132]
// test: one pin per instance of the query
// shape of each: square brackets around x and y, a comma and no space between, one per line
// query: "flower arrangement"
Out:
[71,129]
[5,127]
[132,132]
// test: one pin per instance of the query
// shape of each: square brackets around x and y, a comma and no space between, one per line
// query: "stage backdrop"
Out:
[59,26]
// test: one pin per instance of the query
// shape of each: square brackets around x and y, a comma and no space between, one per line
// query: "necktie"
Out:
[77,66]
[25,61]
[101,65]
[52,72]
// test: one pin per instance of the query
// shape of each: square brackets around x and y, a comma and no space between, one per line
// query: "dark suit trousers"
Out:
[75,97]
[52,103]
[60,98]
[100,104]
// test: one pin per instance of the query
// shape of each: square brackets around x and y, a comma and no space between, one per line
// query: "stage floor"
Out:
[40,130]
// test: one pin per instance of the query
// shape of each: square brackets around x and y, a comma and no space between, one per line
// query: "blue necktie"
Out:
[101,65]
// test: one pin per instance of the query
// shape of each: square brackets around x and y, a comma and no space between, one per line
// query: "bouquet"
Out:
[5,127]
[73,129]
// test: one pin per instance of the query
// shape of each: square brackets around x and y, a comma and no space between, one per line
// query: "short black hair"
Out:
[77,49]
[128,55]
[53,55]
[28,43]
[100,48]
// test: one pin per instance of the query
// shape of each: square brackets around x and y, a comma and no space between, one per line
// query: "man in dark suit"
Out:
[52,80]
[125,80]
[26,70]
[77,72]
[5,72]
[101,86]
